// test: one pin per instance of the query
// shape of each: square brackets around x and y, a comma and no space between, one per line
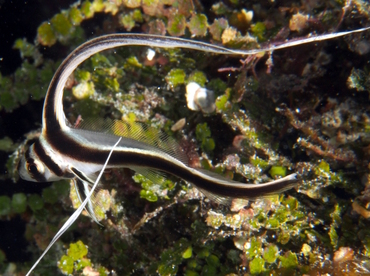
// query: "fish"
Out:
[63,151]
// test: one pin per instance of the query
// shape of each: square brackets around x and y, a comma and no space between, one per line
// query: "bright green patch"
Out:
[198,25]
[77,250]
[324,166]
[75,16]
[289,261]
[199,77]
[83,75]
[337,221]
[133,62]
[277,171]
[259,162]
[291,203]
[151,190]
[222,102]
[65,264]
[272,223]
[137,16]
[271,253]
[175,77]
[112,84]
[127,22]
[46,35]
[253,248]
[83,90]
[257,265]
[87,9]
[188,253]
[148,195]
[203,135]
[98,5]
[283,237]
[61,24]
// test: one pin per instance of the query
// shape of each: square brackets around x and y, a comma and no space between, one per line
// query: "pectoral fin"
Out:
[82,185]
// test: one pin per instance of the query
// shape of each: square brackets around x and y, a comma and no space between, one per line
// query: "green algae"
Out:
[50,195]
[19,203]
[188,253]
[6,144]
[148,195]
[128,22]
[75,16]
[75,260]
[77,250]
[199,77]
[203,135]
[61,24]
[25,48]
[291,220]
[35,202]
[289,261]
[271,253]
[278,171]
[87,9]
[176,77]
[198,25]
[222,102]
[176,25]
[46,34]
[257,266]
[65,264]
[156,186]
[259,30]
[171,258]
[5,205]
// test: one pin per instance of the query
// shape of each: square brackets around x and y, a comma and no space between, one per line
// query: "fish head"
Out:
[31,168]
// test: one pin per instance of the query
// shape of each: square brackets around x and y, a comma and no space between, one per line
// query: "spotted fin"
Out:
[137,131]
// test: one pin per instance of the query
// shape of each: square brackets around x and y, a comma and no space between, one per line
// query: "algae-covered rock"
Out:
[300,110]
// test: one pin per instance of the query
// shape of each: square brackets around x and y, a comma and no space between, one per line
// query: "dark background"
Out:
[19,19]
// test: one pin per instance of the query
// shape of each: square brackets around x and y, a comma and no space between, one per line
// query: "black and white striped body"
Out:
[62,151]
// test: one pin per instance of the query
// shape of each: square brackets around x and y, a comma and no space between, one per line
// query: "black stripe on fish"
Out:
[153,159]
[46,159]
[32,168]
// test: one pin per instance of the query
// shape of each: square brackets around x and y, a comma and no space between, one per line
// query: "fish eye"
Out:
[34,167]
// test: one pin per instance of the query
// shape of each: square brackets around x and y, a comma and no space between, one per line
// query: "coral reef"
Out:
[304,109]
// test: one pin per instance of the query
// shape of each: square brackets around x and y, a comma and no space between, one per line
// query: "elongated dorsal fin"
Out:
[137,131]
